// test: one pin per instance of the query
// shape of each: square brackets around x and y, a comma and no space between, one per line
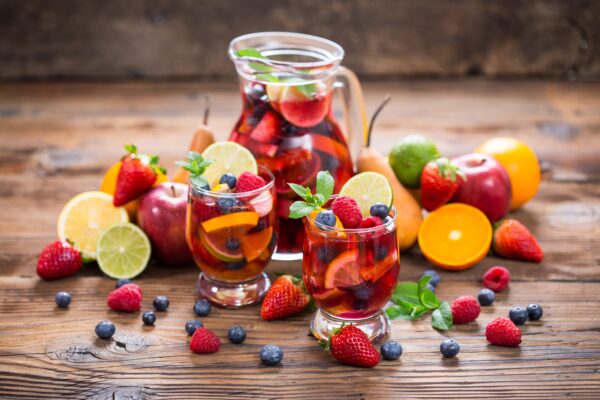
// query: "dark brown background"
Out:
[183,39]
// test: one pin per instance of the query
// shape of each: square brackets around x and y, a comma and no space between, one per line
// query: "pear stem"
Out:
[386,100]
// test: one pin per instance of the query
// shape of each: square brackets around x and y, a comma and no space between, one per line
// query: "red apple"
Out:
[487,186]
[161,214]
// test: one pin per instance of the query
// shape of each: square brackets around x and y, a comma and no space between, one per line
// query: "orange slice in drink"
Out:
[217,247]
[455,236]
[254,244]
[379,269]
[343,271]
[240,221]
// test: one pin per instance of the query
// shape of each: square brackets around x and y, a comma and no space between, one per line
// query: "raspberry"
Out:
[247,182]
[503,332]
[370,222]
[496,279]
[465,309]
[127,298]
[204,341]
[348,211]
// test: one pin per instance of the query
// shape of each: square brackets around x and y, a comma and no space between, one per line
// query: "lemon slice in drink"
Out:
[368,188]
[85,217]
[227,157]
[123,251]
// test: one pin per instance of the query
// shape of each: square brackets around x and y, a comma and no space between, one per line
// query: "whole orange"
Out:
[520,162]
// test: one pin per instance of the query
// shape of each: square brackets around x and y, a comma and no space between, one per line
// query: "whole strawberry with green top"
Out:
[136,176]
[352,346]
[439,181]
[286,297]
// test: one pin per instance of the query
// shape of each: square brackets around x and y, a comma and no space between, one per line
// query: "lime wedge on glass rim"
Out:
[227,157]
[368,188]
[123,251]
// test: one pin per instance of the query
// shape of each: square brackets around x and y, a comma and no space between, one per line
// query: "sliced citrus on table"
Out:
[368,188]
[343,271]
[227,157]
[455,236]
[85,217]
[255,243]
[123,251]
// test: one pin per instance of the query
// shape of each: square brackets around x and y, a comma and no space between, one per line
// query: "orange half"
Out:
[455,236]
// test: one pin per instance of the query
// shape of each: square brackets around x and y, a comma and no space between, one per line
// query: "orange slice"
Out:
[245,219]
[455,236]
[254,244]
[217,247]
[343,271]
[379,269]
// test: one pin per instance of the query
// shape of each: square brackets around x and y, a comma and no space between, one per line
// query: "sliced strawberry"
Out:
[267,130]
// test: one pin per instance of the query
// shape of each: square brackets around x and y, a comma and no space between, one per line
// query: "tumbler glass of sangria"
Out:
[287,83]
[231,230]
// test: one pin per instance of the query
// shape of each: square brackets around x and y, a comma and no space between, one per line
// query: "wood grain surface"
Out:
[57,140]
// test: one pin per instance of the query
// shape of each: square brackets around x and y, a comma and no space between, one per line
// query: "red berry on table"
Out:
[352,346]
[127,298]
[514,241]
[286,297]
[465,309]
[439,181]
[503,332]
[370,222]
[496,278]
[136,176]
[58,260]
[347,210]
[204,341]
[247,182]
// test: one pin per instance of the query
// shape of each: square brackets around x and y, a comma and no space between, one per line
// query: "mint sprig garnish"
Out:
[412,300]
[195,164]
[150,159]
[310,201]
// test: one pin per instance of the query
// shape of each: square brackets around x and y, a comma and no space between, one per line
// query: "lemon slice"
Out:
[368,188]
[123,251]
[85,217]
[227,157]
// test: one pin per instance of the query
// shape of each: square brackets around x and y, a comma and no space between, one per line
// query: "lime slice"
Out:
[368,188]
[123,251]
[227,157]
[85,217]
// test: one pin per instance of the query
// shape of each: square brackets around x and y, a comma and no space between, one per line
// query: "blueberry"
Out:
[149,318]
[161,303]
[62,299]
[381,251]
[362,291]
[435,278]
[121,282]
[105,329]
[360,304]
[256,92]
[486,297]
[379,210]
[236,334]
[449,348]
[271,355]
[262,224]
[202,308]
[232,244]
[192,325]
[326,253]
[229,179]
[518,315]
[235,265]
[326,218]
[227,204]
[391,350]
[535,312]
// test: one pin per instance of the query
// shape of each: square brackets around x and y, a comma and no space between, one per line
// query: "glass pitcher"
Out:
[287,82]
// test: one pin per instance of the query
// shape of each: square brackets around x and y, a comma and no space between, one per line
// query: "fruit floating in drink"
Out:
[231,225]
[287,121]
[351,264]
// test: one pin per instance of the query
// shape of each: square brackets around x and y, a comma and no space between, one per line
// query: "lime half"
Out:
[123,251]
[368,188]
[227,157]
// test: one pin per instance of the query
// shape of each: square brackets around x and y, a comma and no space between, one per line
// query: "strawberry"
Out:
[58,260]
[347,210]
[513,240]
[286,297]
[503,332]
[267,129]
[352,346]
[465,309]
[136,176]
[439,181]
[248,182]
[496,278]
[127,298]
[204,341]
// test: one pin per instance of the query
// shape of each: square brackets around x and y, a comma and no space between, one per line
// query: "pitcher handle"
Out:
[355,115]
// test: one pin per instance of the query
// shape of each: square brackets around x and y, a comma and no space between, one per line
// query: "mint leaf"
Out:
[301,191]
[309,90]
[407,292]
[425,279]
[300,209]
[398,312]
[442,317]
[198,181]
[249,52]
[325,185]
[418,311]
[131,148]
[195,164]
[429,299]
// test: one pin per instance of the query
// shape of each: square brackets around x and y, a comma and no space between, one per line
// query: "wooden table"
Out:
[57,140]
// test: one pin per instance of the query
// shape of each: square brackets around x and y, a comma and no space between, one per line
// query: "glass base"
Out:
[377,327]
[286,256]
[233,295]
